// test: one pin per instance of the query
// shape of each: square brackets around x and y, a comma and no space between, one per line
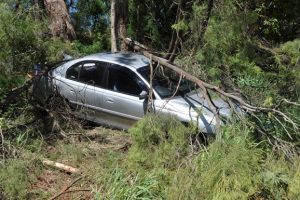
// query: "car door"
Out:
[69,85]
[121,103]
[84,79]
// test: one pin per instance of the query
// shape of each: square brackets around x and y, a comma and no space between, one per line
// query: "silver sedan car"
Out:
[113,89]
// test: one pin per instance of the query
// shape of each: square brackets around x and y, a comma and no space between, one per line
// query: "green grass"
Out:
[162,163]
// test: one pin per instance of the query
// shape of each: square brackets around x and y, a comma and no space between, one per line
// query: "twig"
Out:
[65,190]
[286,101]
[2,142]
[70,191]
[287,132]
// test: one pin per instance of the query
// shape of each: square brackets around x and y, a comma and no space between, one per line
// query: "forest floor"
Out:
[91,143]
[93,148]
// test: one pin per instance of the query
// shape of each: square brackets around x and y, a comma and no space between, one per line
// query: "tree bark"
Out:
[122,22]
[60,20]
[119,17]
[113,26]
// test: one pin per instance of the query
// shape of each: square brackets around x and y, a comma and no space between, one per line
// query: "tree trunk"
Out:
[205,22]
[113,26]
[122,21]
[119,17]
[60,20]
[17,5]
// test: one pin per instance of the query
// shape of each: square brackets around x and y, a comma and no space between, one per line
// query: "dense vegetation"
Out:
[246,47]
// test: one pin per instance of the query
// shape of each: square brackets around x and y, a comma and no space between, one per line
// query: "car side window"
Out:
[90,72]
[73,72]
[122,80]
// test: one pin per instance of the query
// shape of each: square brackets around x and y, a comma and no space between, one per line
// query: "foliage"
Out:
[15,175]
[148,25]
[165,137]
[18,40]
[288,62]
[294,184]
[92,25]
[225,38]
[278,20]
[13,178]
[228,169]
[230,166]
[138,186]
[23,42]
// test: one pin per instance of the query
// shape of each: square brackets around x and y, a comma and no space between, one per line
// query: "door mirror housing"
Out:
[143,95]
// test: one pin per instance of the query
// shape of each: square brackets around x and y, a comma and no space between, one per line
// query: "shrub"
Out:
[134,186]
[294,184]
[227,170]
[159,141]
[14,179]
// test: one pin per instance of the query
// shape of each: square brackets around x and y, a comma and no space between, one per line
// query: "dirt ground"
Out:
[61,185]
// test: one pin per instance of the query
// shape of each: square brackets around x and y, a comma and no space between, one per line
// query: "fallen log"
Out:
[60,166]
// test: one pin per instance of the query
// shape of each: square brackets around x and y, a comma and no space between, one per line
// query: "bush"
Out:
[228,169]
[166,138]
[294,184]
[14,179]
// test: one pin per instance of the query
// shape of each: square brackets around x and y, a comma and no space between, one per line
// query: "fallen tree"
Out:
[206,88]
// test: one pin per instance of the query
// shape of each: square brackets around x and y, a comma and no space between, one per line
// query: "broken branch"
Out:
[205,87]
[60,166]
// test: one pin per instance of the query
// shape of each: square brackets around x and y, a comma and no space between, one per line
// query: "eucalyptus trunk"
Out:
[114,34]
[119,17]
[60,20]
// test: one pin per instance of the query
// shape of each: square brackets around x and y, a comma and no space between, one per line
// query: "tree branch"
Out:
[206,87]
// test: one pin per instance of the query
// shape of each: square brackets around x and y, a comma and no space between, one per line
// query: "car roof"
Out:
[131,59]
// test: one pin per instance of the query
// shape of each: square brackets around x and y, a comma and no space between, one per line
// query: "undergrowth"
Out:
[167,160]
[235,167]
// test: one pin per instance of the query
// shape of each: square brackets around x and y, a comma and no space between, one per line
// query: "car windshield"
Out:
[167,82]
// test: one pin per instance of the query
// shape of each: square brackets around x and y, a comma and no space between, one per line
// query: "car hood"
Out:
[194,104]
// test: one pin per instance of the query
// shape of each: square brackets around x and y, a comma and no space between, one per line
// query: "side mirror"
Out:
[143,95]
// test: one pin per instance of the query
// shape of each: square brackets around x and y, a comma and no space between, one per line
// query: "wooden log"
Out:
[60,166]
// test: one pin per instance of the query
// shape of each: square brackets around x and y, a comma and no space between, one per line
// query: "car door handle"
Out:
[109,100]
